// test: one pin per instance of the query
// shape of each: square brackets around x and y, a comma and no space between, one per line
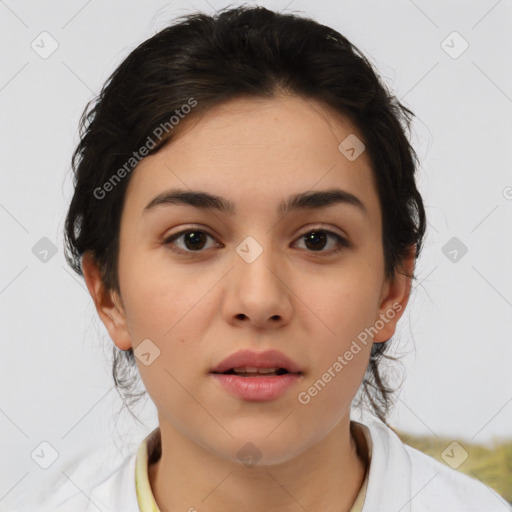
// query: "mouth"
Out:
[249,363]
[257,376]
[256,372]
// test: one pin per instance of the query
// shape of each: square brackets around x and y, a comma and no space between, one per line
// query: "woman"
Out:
[247,222]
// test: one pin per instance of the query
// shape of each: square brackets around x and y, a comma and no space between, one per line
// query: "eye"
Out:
[315,239]
[193,239]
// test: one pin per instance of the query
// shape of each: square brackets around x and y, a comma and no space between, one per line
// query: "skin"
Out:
[199,307]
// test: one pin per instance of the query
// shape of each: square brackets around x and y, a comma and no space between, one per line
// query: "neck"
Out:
[327,476]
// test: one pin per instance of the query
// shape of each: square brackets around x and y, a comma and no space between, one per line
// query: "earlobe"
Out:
[106,302]
[394,299]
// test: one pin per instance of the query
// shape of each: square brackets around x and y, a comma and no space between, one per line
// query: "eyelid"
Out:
[322,227]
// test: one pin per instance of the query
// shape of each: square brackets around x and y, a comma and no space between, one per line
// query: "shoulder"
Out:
[404,478]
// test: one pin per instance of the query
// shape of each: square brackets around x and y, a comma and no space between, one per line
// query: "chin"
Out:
[261,449]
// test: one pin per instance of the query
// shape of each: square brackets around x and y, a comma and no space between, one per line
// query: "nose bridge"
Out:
[258,282]
[258,258]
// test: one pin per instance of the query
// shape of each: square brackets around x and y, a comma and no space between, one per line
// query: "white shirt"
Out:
[400,479]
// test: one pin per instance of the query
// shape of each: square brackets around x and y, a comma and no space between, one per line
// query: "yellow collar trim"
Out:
[145,498]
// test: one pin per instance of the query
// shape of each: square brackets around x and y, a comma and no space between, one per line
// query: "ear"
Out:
[107,303]
[394,297]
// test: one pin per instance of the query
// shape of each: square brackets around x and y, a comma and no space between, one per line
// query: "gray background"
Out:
[455,338]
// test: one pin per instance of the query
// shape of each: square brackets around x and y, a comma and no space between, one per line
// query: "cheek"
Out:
[159,296]
[346,302]
[344,309]
[162,307]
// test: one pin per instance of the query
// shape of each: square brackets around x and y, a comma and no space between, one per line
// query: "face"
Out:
[306,283]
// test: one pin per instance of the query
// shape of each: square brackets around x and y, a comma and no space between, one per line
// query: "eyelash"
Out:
[341,242]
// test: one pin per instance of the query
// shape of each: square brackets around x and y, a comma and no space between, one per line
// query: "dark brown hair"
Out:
[243,51]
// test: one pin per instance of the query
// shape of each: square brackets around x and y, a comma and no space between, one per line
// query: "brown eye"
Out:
[193,240]
[316,240]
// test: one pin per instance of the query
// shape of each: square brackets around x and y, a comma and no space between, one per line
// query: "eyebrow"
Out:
[306,200]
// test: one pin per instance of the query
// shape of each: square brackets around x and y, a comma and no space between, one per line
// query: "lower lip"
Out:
[257,389]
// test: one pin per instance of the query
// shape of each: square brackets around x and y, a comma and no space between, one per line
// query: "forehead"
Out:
[292,124]
[256,151]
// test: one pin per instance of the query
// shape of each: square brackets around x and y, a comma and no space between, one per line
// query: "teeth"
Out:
[250,369]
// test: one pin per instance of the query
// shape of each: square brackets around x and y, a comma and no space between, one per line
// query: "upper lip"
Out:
[265,359]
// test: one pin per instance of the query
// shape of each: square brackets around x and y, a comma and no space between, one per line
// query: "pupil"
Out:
[314,237]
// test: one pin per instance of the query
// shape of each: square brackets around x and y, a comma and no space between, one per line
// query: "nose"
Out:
[258,291]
